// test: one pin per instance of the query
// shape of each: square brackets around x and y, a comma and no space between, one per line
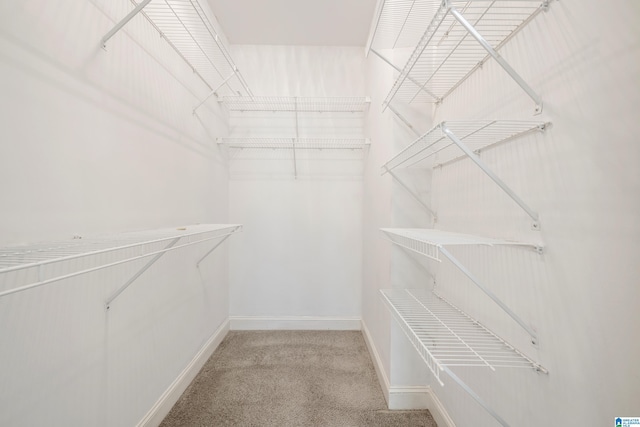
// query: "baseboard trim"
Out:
[299,323]
[406,398]
[438,412]
[377,362]
[159,411]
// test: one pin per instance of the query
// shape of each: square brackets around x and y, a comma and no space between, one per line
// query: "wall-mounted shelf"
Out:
[39,261]
[449,141]
[186,27]
[297,104]
[461,36]
[446,337]
[400,23]
[431,243]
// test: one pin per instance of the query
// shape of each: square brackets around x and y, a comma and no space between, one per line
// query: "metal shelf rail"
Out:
[449,141]
[431,243]
[36,258]
[186,27]
[460,38]
[297,147]
[297,104]
[446,337]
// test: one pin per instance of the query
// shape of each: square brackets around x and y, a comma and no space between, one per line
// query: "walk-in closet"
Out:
[319,213]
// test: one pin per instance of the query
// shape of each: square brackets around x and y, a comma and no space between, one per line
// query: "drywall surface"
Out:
[301,250]
[102,141]
[388,204]
[581,176]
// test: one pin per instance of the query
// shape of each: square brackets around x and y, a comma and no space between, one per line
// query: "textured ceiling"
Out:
[295,22]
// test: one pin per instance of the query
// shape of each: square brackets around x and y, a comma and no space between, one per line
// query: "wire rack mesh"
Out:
[297,104]
[447,54]
[447,337]
[186,27]
[438,149]
[401,23]
[128,246]
[427,242]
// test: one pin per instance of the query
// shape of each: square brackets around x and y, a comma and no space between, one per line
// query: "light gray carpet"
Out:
[289,378]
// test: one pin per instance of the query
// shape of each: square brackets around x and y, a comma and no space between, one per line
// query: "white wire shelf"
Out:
[436,146]
[447,53]
[295,143]
[450,140]
[445,337]
[430,242]
[144,244]
[297,104]
[186,27]
[400,23]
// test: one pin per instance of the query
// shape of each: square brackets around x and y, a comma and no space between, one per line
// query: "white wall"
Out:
[388,204]
[581,176]
[300,251]
[97,141]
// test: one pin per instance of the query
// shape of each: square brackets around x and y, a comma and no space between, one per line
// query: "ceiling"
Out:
[295,22]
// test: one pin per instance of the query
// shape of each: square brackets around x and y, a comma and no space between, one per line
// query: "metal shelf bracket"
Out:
[152,261]
[495,55]
[469,153]
[123,22]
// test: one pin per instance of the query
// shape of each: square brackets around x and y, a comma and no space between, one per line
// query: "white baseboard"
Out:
[299,323]
[438,412]
[159,411]
[406,398]
[377,362]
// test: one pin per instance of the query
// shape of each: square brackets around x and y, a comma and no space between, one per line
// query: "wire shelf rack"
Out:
[297,104]
[445,336]
[143,244]
[430,242]
[400,23]
[186,27]
[447,53]
[436,146]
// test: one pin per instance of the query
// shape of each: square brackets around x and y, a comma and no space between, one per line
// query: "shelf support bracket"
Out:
[411,79]
[214,92]
[123,22]
[533,214]
[413,194]
[504,64]
[476,281]
[475,396]
[215,247]
[152,261]
[405,121]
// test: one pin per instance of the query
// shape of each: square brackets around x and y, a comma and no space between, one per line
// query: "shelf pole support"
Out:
[214,92]
[411,79]
[123,22]
[152,261]
[215,247]
[475,396]
[476,281]
[413,194]
[533,214]
[504,64]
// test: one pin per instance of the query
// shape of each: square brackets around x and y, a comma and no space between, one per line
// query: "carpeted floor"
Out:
[289,378]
